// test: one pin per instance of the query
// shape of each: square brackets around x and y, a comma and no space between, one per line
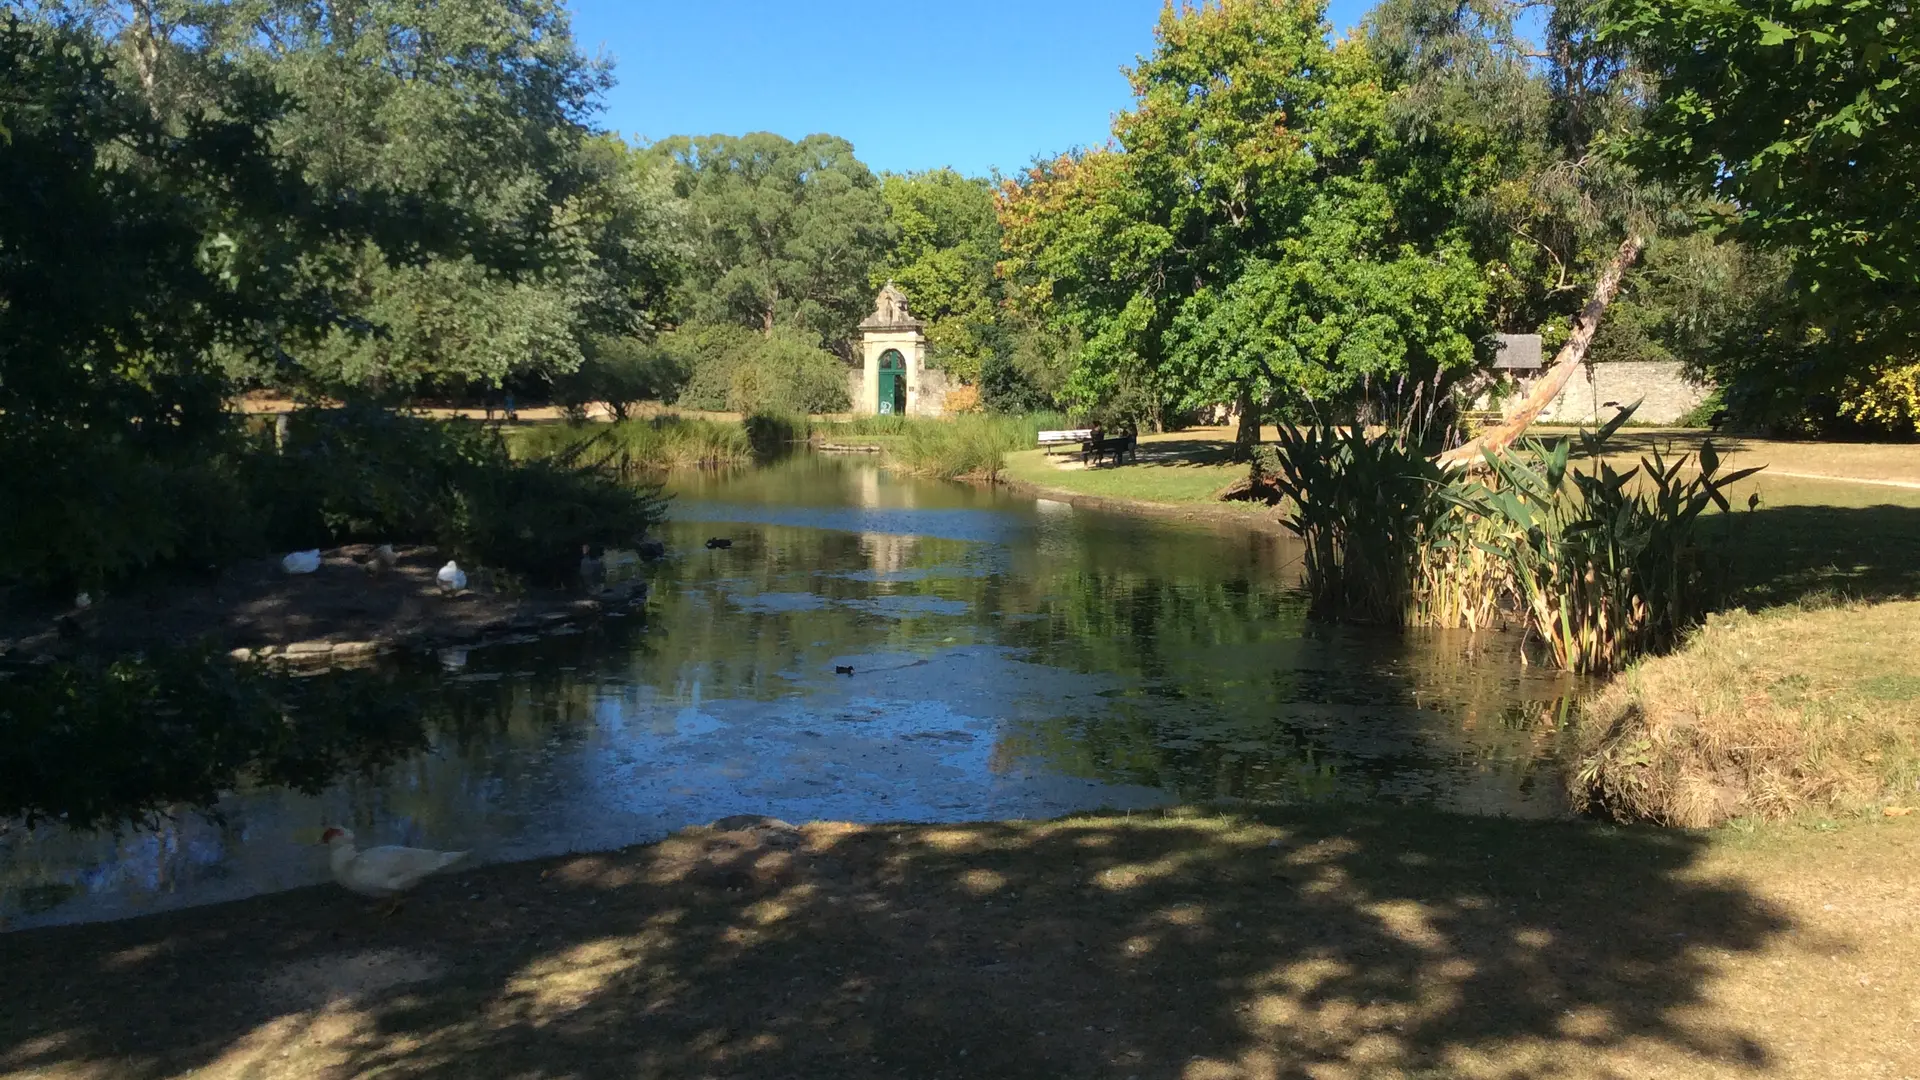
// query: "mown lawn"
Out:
[1338,942]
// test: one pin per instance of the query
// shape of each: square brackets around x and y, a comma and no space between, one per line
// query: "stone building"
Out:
[1595,394]
[893,378]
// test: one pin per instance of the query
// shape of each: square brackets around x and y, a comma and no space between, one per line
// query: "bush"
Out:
[619,371]
[85,511]
[361,473]
[737,370]
[104,746]
[773,435]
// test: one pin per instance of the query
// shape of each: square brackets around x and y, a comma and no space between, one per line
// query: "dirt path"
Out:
[1349,943]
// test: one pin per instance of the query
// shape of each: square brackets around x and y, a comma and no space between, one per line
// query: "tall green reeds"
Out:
[634,447]
[1361,504]
[970,445]
[1600,565]
[1605,565]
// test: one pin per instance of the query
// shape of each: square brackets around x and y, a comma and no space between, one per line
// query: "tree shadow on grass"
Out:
[1785,554]
[1184,453]
[1330,942]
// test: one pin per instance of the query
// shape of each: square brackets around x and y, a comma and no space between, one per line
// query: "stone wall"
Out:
[927,392]
[1595,393]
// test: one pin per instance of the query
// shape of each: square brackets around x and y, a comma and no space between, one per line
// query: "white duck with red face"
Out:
[382,872]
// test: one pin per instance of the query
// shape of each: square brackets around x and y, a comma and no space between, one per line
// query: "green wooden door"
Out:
[893,384]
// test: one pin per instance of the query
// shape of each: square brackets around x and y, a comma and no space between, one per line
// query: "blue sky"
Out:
[914,84]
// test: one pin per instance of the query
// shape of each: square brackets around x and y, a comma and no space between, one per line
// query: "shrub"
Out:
[86,511]
[619,371]
[361,473]
[737,370]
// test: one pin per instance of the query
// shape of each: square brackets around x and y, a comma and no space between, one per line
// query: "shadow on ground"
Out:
[1323,943]
[1784,554]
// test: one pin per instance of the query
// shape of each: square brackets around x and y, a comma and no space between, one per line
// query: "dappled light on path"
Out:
[1324,944]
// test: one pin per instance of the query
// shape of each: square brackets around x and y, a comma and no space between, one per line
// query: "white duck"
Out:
[301,562]
[382,872]
[451,578]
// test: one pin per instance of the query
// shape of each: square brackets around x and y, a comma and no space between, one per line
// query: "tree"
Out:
[129,249]
[1797,119]
[1799,115]
[947,241]
[473,114]
[1257,231]
[783,234]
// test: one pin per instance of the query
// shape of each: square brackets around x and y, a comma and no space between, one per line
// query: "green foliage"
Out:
[527,234]
[784,234]
[635,447]
[1261,231]
[129,248]
[1601,565]
[1606,565]
[115,745]
[360,473]
[1362,504]
[1798,115]
[1797,119]
[736,370]
[619,372]
[947,241]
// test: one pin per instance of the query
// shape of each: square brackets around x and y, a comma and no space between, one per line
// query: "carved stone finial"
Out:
[890,309]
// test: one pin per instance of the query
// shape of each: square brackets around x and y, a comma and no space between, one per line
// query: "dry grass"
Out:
[1338,944]
[1768,715]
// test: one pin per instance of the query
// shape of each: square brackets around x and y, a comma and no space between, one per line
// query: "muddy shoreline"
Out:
[342,613]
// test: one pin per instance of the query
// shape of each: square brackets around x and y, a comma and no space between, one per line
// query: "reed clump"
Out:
[1362,506]
[1772,715]
[634,447]
[1599,565]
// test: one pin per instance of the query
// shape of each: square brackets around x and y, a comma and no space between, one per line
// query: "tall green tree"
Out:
[1797,120]
[1257,233]
[783,234]
[477,109]
[130,249]
[947,240]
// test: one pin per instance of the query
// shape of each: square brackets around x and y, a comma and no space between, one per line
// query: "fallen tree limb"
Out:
[1564,365]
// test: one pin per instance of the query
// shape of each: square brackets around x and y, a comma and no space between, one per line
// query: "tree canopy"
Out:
[1257,231]
[783,234]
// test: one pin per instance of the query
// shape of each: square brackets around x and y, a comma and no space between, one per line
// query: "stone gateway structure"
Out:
[893,378]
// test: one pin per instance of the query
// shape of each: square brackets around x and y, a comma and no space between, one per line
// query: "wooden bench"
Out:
[1050,441]
[1117,447]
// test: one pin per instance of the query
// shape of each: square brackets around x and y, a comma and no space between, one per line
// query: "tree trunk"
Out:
[1248,436]
[1564,365]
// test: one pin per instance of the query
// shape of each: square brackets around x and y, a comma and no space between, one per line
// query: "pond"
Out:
[1010,657]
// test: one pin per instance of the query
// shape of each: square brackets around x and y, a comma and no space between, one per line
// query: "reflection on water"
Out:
[1011,659]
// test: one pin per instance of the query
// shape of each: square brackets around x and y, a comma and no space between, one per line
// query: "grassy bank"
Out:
[1344,942]
[970,446]
[1786,713]
[637,446]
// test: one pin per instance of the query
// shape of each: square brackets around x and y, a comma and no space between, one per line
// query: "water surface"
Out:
[1011,658]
